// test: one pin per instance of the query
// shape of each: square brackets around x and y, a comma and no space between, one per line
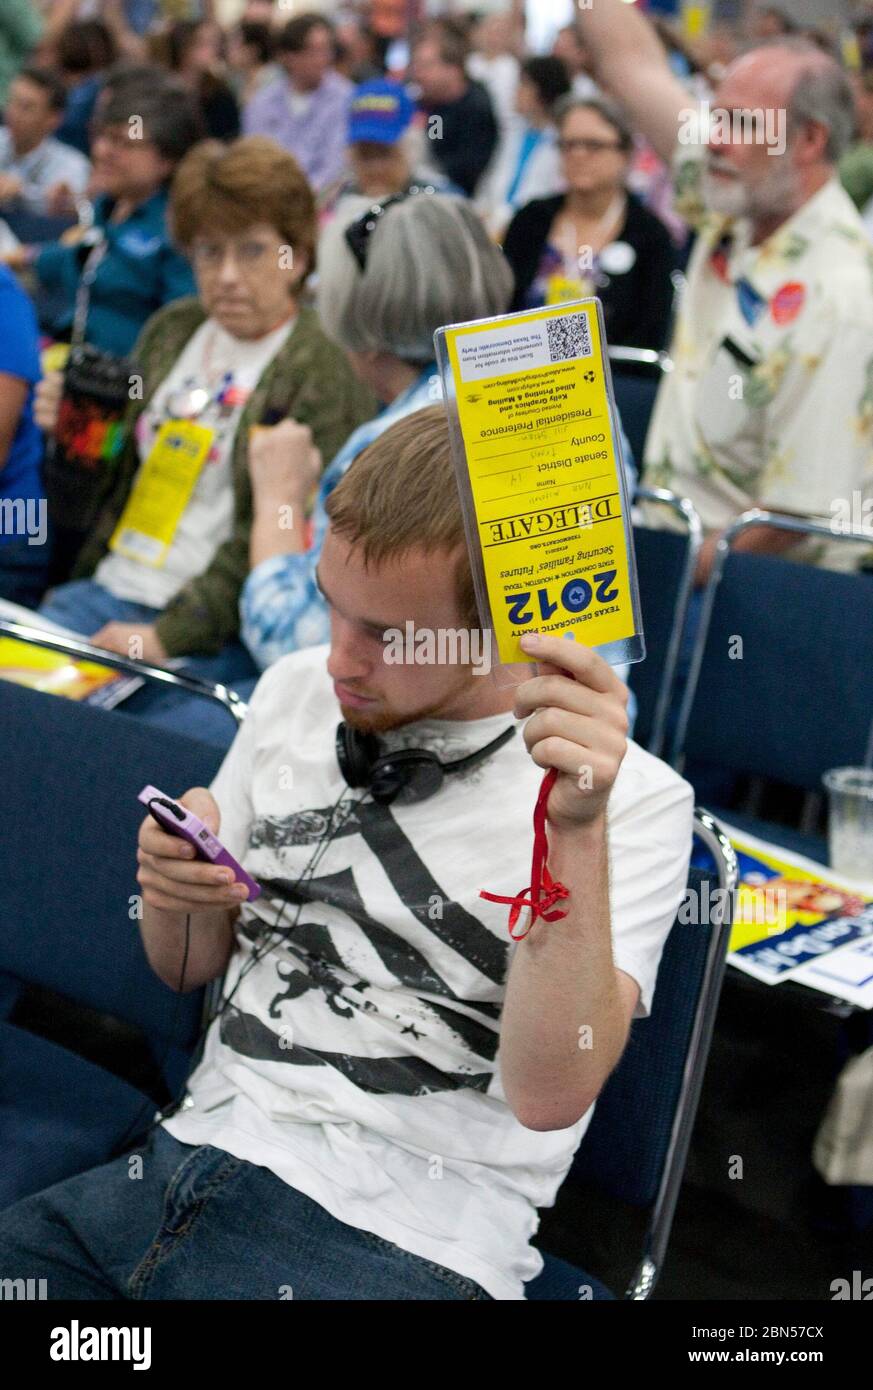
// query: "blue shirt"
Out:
[281,608]
[140,273]
[74,129]
[50,163]
[311,125]
[529,141]
[19,357]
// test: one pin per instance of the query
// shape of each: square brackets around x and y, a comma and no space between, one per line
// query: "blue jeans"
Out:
[24,572]
[201,1224]
[84,606]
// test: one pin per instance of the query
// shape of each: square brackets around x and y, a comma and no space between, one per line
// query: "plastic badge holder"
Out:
[537,453]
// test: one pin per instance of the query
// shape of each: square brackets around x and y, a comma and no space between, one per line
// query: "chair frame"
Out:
[71,646]
[757,516]
[687,513]
[641,357]
[648,1271]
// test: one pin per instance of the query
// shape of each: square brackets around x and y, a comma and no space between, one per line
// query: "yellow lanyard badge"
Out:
[161,492]
[560,289]
[541,479]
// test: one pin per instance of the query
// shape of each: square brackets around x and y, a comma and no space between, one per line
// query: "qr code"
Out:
[568,337]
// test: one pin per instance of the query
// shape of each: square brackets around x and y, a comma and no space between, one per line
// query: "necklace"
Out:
[191,401]
[602,225]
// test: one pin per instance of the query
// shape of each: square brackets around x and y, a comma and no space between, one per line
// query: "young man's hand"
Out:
[172,878]
[578,724]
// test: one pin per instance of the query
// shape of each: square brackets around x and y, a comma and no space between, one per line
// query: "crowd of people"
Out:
[225,247]
[566,160]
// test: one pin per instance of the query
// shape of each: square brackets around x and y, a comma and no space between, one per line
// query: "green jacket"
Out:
[309,380]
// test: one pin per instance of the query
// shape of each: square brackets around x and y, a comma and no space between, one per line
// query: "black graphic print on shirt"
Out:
[318,960]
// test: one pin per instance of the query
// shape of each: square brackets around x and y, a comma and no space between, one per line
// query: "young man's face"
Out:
[29,114]
[364,603]
[309,65]
[434,76]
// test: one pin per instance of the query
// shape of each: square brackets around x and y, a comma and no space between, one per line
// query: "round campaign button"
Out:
[617,258]
[787,302]
[187,403]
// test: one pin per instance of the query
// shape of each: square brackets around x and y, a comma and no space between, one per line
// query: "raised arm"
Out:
[632,66]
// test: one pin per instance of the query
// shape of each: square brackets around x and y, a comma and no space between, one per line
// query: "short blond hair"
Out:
[401,494]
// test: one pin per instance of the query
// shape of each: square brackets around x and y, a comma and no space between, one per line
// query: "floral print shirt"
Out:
[770,401]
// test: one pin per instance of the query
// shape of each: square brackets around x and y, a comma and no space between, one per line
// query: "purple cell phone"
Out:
[178,820]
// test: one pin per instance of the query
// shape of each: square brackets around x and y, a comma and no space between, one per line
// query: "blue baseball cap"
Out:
[380,112]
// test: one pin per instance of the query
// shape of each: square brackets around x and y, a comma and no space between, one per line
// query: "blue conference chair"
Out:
[36,227]
[68,930]
[781,678]
[81,650]
[636,1146]
[636,376]
[666,560]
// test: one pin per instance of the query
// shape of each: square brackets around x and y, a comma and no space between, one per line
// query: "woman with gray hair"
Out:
[387,281]
[596,238]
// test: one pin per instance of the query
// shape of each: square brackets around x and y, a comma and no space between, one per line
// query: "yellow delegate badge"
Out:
[545,495]
[561,290]
[161,492]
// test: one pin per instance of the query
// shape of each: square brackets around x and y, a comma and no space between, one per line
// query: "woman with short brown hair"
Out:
[252,180]
[161,571]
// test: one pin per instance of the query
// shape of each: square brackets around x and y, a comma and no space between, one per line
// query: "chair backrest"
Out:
[637,1143]
[785,686]
[68,824]
[665,572]
[636,376]
[14,623]
[36,227]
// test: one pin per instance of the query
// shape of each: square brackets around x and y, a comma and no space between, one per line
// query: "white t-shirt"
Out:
[358,1059]
[210,355]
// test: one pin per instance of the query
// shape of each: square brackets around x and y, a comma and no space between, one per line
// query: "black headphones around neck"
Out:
[407,774]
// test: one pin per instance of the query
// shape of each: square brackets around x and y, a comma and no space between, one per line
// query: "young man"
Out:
[37,172]
[306,109]
[393,1085]
[458,117]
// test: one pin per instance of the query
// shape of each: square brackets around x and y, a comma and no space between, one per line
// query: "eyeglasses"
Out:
[358,233]
[587,146]
[248,254]
[119,137]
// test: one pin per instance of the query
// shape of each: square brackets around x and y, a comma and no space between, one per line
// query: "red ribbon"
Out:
[544,892]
